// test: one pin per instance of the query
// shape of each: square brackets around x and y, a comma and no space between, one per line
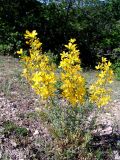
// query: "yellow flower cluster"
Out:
[73,84]
[37,69]
[99,93]
[40,73]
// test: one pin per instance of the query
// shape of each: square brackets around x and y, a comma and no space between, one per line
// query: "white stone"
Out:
[36,132]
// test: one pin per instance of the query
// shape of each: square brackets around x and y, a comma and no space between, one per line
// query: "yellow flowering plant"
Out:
[99,92]
[37,68]
[40,73]
[67,124]
[73,83]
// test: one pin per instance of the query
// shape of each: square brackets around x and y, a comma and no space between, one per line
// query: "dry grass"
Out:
[17,106]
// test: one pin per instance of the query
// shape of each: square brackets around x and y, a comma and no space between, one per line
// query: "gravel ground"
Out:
[17,105]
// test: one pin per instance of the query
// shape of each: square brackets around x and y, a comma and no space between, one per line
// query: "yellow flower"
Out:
[109,64]
[72,40]
[73,84]
[97,67]
[104,59]
[99,93]
[38,71]
[30,34]
[20,51]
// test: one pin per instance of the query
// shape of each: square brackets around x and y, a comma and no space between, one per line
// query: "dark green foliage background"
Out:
[94,23]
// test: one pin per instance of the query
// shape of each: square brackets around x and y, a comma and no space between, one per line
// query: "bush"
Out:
[11,128]
[68,101]
[116,68]
[10,40]
[68,128]
[5,49]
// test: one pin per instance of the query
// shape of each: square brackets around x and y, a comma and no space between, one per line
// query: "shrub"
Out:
[116,68]
[68,128]
[66,120]
[5,49]
[10,128]
[10,40]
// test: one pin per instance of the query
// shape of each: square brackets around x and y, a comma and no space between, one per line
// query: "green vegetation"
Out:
[95,26]
[94,23]
[12,128]
[67,127]
[116,67]
[66,122]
